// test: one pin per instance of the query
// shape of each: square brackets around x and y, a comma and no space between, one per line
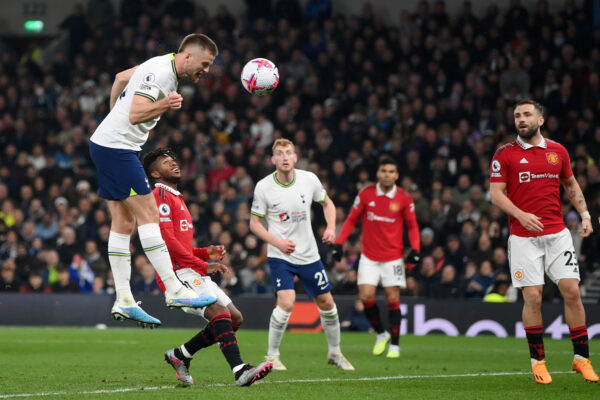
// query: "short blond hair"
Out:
[281,142]
[199,39]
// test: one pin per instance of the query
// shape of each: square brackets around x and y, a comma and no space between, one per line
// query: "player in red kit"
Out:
[384,208]
[525,183]
[177,230]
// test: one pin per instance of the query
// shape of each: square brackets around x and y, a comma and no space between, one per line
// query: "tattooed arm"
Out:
[576,198]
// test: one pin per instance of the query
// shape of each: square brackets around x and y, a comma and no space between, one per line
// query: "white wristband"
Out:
[585,215]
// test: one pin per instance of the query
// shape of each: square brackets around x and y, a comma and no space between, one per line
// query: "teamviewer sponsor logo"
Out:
[371,216]
[524,177]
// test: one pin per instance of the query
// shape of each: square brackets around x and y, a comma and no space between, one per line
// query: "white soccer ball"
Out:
[260,76]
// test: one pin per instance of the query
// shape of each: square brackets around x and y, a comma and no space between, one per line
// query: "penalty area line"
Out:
[272,382]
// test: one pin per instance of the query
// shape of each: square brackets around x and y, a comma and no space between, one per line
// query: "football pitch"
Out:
[127,363]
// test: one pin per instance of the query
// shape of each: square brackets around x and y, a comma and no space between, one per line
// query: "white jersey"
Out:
[287,212]
[154,79]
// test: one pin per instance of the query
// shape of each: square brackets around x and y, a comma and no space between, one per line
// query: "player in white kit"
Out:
[139,96]
[284,200]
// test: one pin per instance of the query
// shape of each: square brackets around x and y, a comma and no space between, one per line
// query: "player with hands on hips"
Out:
[383,208]
[190,268]
[283,199]
[525,180]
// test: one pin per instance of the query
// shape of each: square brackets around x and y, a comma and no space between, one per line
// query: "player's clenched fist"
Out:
[215,252]
[216,267]
[175,100]
[287,246]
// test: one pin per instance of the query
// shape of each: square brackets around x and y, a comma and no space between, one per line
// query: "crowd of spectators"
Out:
[433,90]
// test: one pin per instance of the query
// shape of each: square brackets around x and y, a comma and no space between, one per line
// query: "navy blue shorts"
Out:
[313,276]
[120,172]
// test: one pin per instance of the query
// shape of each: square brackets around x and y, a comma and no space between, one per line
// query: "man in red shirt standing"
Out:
[384,208]
[178,232]
[525,183]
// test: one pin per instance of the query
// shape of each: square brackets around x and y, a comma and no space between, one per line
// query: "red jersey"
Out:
[532,175]
[177,231]
[383,217]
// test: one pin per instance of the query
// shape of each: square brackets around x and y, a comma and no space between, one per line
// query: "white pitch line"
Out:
[72,341]
[270,382]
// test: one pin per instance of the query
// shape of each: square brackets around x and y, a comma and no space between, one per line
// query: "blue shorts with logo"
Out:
[313,276]
[120,172]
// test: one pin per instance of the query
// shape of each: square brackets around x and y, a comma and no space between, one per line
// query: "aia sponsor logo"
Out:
[552,158]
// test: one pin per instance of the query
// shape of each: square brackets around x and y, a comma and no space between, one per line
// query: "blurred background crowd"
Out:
[432,89]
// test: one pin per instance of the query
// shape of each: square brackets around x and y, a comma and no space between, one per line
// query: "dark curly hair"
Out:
[149,159]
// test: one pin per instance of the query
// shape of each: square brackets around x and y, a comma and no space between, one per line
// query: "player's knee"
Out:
[533,300]
[571,294]
[237,319]
[286,305]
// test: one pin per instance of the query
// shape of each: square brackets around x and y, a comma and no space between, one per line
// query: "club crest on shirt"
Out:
[552,158]
[394,207]
[518,274]
[197,282]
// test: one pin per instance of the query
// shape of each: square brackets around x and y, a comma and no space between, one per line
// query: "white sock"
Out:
[277,326]
[578,357]
[237,368]
[382,335]
[120,265]
[185,351]
[156,250]
[534,361]
[394,347]
[331,325]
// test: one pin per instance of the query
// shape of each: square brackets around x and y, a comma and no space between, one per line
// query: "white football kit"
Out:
[286,209]
[153,79]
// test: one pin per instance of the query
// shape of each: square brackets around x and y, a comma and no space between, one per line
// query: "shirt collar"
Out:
[175,192]
[526,146]
[389,194]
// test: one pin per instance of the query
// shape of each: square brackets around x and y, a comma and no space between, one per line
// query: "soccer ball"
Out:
[260,76]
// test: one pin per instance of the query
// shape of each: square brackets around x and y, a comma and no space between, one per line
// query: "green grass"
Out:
[72,363]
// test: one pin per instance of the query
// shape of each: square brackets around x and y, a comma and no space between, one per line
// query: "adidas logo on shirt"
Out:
[182,208]
[524,161]
[372,204]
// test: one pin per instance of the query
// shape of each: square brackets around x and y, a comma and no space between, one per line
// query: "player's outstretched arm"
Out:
[121,80]
[287,246]
[329,211]
[576,198]
[529,221]
[144,109]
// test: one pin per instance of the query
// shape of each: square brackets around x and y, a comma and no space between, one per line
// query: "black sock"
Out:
[535,338]
[224,334]
[579,337]
[203,339]
[395,320]
[372,313]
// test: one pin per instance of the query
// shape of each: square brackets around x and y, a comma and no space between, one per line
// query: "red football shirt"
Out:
[177,231]
[532,175]
[383,217]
